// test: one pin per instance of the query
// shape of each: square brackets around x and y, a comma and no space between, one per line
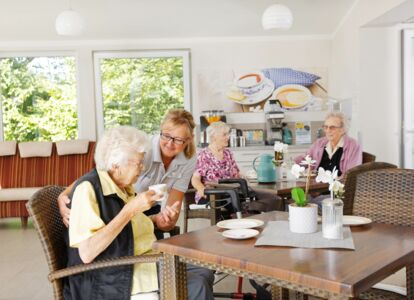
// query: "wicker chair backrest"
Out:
[368,157]
[386,196]
[350,181]
[43,208]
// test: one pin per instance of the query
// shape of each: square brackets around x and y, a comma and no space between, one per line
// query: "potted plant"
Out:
[303,216]
[280,149]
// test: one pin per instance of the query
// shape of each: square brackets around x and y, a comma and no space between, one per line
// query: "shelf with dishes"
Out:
[290,116]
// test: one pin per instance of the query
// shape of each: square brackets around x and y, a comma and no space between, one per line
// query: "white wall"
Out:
[380,92]
[208,56]
[346,81]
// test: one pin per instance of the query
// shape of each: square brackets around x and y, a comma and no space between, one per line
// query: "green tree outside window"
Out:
[38,98]
[138,91]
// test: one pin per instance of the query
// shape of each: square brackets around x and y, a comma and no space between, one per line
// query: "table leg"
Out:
[410,280]
[174,278]
[277,293]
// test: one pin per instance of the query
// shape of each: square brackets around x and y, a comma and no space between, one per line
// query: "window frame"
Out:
[98,55]
[56,53]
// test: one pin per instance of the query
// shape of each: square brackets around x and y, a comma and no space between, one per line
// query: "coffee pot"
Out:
[274,119]
[266,170]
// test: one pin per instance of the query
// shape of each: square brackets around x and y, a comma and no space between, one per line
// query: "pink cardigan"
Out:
[351,157]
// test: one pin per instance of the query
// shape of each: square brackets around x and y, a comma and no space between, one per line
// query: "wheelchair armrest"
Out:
[241,181]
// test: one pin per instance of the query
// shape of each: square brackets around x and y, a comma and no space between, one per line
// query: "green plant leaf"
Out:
[298,195]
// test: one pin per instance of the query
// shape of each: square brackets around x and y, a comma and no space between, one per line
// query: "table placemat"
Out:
[277,233]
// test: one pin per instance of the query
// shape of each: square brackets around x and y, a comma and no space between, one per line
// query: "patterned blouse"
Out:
[211,169]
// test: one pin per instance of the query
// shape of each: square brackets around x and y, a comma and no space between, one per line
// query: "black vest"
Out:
[107,283]
[329,163]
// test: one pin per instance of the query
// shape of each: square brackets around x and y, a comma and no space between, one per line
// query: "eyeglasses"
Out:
[332,127]
[138,164]
[175,140]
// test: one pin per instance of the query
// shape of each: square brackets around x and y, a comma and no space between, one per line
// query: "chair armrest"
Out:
[107,263]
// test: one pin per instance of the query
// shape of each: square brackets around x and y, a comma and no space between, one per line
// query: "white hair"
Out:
[118,145]
[341,117]
[216,128]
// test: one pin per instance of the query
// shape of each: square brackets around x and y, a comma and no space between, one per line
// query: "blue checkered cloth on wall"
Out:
[282,76]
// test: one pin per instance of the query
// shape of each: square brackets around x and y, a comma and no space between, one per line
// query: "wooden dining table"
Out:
[380,250]
[282,188]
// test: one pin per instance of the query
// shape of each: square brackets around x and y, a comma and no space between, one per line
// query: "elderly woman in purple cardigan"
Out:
[336,149]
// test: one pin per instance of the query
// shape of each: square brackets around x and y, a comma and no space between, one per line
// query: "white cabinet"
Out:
[244,156]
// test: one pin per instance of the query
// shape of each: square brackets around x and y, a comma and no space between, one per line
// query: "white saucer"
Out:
[240,223]
[263,94]
[355,220]
[240,234]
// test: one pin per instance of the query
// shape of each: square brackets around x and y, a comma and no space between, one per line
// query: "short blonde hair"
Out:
[216,128]
[178,117]
[341,117]
[118,145]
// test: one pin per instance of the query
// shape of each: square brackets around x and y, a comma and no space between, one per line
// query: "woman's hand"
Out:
[167,218]
[64,210]
[143,201]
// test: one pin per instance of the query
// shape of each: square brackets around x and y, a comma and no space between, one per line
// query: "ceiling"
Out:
[136,19]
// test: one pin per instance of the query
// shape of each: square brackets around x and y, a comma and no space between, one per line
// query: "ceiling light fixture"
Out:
[277,16]
[69,22]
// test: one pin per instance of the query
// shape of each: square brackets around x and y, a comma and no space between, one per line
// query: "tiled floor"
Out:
[23,267]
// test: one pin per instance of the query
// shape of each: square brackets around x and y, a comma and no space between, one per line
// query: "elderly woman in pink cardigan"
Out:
[336,148]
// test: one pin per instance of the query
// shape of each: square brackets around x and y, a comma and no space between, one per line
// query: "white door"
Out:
[408,100]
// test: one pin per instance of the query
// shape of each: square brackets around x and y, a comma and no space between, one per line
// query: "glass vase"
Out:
[332,212]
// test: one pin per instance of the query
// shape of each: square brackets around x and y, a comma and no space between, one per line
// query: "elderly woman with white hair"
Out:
[214,162]
[336,149]
[108,220]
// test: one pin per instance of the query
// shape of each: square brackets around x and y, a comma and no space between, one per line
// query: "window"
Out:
[137,88]
[38,98]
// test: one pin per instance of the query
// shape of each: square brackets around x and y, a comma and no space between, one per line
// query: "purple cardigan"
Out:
[351,157]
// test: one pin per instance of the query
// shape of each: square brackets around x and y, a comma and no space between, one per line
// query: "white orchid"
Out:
[326,176]
[299,196]
[280,147]
[308,161]
[335,186]
[297,170]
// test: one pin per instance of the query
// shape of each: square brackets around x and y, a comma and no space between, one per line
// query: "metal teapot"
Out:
[266,170]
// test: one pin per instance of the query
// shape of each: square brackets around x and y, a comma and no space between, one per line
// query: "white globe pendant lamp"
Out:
[69,23]
[277,16]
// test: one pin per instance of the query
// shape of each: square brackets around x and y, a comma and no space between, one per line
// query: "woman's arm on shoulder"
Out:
[63,200]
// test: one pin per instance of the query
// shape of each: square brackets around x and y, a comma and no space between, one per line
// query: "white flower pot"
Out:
[303,219]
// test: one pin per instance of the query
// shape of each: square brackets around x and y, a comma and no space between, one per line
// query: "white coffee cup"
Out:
[159,189]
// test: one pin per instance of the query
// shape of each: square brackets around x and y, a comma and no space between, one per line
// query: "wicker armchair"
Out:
[368,157]
[387,196]
[350,181]
[50,228]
